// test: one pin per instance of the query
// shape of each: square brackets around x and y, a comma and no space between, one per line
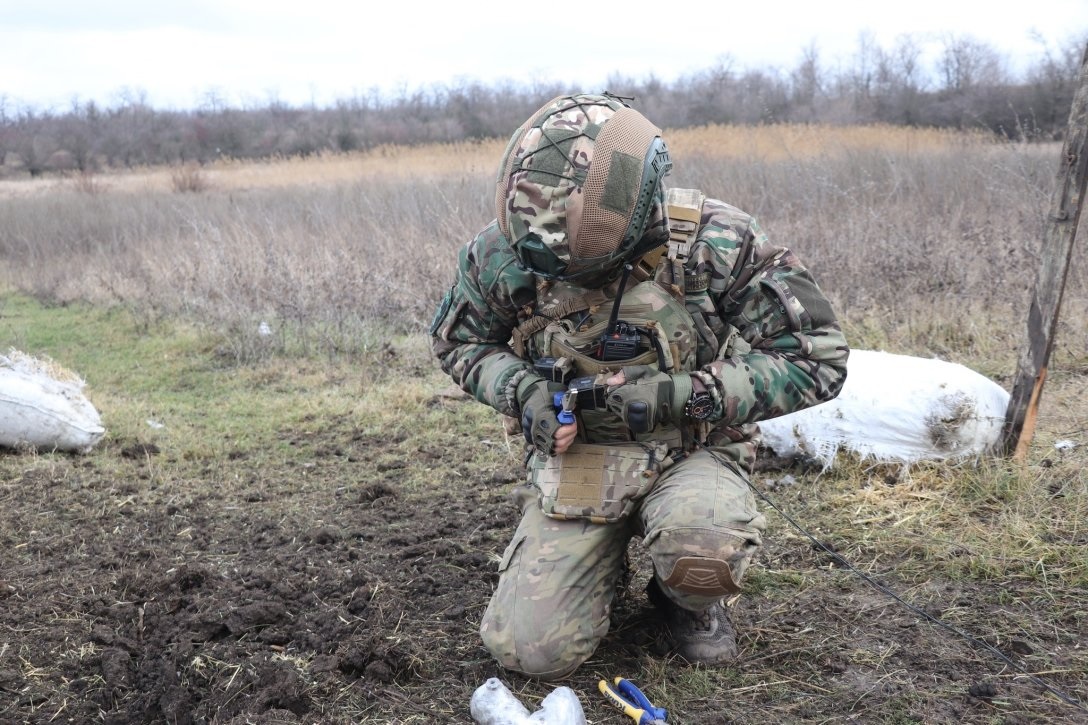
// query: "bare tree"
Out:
[807,83]
[713,94]
[33,142]
[966,63]
[968,86]
[900,82]
[862,76]
[1052,80]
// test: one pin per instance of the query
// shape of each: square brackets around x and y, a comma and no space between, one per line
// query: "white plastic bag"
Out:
[896,408]
[42,406]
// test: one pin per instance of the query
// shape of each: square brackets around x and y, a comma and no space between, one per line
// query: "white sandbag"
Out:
[897,408]
[42,406]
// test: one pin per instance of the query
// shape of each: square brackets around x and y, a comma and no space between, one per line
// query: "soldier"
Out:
[679,326]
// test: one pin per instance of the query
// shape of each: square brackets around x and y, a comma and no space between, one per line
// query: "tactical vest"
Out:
[568,321]
[646,305]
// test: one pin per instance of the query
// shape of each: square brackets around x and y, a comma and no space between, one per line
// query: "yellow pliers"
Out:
[626,696]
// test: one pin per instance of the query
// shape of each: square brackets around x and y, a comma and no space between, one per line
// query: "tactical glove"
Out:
[538,421]
[648,397]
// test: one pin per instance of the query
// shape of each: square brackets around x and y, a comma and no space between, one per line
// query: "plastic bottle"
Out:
[494,704]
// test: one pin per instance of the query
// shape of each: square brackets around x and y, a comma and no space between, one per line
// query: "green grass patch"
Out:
[174,386]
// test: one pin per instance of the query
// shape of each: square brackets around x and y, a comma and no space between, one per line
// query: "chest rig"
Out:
[650,324]
[569,321]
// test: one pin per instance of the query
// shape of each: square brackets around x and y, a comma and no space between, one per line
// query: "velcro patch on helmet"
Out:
[623,184]
[551,163]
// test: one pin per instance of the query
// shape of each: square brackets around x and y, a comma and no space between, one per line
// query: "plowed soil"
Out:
[141,588]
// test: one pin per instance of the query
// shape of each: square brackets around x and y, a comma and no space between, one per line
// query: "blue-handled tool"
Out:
[626,696]
[564,403]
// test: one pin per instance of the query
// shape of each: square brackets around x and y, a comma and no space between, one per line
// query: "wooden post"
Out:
[1046,300]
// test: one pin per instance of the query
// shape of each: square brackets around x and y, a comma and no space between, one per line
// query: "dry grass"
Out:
[924,239]
[188,178]
[326,169]
[754,143]
[783,142]
[88,182]
[30,365]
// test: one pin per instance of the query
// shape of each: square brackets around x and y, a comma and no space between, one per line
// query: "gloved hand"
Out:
[538,420]
[648,397]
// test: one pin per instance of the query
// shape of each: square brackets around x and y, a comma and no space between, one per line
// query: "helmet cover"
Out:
[579,188]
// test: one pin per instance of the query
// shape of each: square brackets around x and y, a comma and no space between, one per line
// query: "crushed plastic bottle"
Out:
[494,704]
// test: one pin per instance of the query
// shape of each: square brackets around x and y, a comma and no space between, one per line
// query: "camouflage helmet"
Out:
[579,188]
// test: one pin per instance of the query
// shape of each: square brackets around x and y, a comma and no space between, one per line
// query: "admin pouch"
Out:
[598,483]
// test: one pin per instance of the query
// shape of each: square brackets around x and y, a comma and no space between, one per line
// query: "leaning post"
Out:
[1046,299]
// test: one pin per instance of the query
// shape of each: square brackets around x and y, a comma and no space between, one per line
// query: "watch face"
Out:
[700,406]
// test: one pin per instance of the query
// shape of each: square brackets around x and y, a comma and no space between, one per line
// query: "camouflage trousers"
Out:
[557,578]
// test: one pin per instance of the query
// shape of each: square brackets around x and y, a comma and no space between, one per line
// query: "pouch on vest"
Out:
[598,483]
[668,325]
[563,343]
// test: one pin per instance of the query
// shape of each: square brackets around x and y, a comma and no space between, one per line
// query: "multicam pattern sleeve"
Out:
[471,328]
[769,340]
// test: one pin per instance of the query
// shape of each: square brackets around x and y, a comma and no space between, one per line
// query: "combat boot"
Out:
[705,637]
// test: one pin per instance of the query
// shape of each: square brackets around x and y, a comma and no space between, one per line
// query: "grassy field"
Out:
[304,526]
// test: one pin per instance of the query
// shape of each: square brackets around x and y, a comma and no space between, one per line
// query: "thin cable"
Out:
[1068,699]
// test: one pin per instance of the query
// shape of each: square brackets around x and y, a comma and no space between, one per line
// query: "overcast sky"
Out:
[248,52]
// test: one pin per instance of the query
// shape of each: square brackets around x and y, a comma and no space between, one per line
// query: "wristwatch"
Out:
[700,404]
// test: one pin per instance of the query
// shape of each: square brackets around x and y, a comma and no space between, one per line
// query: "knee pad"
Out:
[700,562]
[701,576]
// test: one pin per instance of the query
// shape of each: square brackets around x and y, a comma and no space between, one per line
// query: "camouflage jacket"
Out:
[768,341]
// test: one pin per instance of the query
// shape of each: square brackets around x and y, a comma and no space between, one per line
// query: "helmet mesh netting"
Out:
[602,230]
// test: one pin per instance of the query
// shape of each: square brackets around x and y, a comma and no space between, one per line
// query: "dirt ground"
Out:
[140,588]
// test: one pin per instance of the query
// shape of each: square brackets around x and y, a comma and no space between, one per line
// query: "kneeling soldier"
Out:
[669,326]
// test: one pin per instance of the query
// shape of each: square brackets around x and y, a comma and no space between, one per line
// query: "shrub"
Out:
[188,178]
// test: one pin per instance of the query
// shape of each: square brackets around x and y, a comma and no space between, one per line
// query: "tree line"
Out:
[968,85]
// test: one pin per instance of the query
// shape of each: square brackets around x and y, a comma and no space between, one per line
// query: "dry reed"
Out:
[926,240]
